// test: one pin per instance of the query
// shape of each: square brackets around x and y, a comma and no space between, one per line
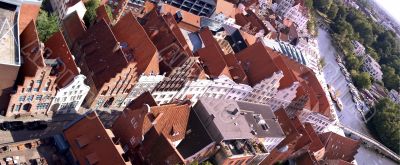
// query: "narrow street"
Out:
[350,116]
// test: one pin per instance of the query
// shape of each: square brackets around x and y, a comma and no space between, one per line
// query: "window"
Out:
[17,107]
[30,98]
[132,140]
[21,98]
[38,97]
[35,89]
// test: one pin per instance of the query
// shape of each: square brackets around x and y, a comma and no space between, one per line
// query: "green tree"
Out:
[46,25]
[390,79]
[332,12]
[386,124]
[361,80]
[90,15]
[109,12]
[309,4]
[322,5]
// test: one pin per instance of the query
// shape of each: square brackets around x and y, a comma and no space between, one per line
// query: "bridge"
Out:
[380,148]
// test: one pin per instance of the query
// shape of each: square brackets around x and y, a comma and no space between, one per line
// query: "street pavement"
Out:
[350,116]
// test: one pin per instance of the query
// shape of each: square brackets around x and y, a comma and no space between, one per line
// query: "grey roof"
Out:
[230,119]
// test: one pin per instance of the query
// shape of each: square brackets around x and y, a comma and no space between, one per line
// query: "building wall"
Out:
[145,83]
[70,98]
[271,142]
[34,96]
[318,121]
[60,8]
[373,68]
[198,7]
[284,97]
[7,83]
[112,93]
[266,89]
[295,14]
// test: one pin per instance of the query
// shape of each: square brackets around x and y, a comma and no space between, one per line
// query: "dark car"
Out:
[36,125]
[12,126]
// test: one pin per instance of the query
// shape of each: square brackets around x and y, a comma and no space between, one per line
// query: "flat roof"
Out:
[9,53]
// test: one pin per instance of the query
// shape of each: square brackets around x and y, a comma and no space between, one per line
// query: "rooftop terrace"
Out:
[9,52]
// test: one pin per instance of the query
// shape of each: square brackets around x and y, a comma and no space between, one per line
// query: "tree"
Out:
[90,15]
[322,5]
[361,80]
[390,79]
[386,124]
[332,12]
[109,12]
[46,25]
[309,4]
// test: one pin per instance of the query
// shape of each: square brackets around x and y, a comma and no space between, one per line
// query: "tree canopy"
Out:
[386,124]
[351,24]
[90,15]
[361,80]
[46,25]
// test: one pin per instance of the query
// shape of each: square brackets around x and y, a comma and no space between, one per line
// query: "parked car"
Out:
[36,125]
[12,125]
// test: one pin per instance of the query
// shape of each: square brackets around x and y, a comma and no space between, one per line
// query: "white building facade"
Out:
[359,49]
[145,83]
[372,67]
[299,15]
[69,98]
[319,122]
[65,7]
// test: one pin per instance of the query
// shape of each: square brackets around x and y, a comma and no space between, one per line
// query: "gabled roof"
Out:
[101,12]
[104,58]
[90,142]
[190,22]
[212,55]
[158,149]
[257,62]
[235,69]
[73,28]
[134,40]
[31,51]
[339,147]
[57,48]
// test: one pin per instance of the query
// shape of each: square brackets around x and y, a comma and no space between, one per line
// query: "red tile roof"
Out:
[227,8]
[104,58]
[252,21]
[190,22]
[306,159]
[257,62]
[339,147]
[212,55]
[73,28]
[91,142]
[167,37]
[101,12]
[31,51]
[158,149]
[57,48]
[128,31]
[235,69]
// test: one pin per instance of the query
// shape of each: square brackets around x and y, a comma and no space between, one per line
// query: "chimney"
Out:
[154,33]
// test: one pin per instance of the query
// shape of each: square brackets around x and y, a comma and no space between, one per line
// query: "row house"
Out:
[16,15]
[303,139]
[166,90]
[146,83]
[65,7]
[224,12]
[89,142]
[71,89]
[152,128]
[35,85]
[164,32]
[318,121]
[231,132]
[112,60]
[293,10]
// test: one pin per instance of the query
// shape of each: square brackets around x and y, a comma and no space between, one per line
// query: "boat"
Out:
[335,97]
